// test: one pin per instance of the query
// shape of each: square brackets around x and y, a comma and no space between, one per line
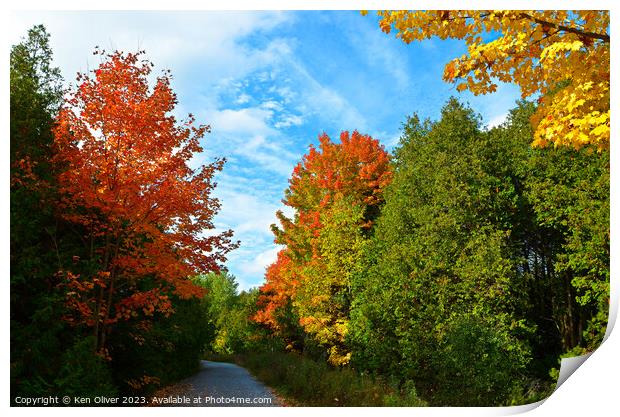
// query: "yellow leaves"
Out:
[601,130]
[490,54]
[318,300]
[576,45]
[555,50]
[578,116]
[342,328]
[599,119]
[576,127]
[540,51]
[337,357]
[537,36]
[331,335]
[574,102]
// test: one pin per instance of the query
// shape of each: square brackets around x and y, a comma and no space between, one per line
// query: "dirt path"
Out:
[219,384]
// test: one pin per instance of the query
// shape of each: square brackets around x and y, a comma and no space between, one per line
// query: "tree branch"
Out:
[599,36]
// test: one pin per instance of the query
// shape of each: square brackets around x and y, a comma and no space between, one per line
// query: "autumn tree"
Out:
[561,57]
[274,302]
[144,215]
[336,192]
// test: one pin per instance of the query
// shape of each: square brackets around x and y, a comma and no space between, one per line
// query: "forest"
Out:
[456,269]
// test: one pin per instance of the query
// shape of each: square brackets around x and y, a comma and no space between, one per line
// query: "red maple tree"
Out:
[356,169]
[144,214]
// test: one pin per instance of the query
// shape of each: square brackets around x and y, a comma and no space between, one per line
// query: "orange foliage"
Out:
[126,182]
[274,294]
[356,168]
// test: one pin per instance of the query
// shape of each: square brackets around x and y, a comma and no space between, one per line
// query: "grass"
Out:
[302,381]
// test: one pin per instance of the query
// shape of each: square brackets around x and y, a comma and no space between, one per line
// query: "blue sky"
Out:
[269,83]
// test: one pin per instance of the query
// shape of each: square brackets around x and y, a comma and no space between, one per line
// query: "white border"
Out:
[590,391]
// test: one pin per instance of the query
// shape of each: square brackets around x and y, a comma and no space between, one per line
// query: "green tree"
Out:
[561,229]
[570,193]
[230,314]
[151,353]
[37,335]
[441,280]
[323,299]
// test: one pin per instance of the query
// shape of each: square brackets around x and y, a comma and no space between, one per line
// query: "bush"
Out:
[150,354]
[303,381]
[477,365]
[84,373]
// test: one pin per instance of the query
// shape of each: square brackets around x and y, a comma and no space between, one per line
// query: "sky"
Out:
[268,83]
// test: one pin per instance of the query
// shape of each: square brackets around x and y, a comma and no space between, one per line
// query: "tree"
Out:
[336,192]
[37,337]
[230,315]
[274,308]
[142,213]
[220,299]
[35,96]
[324,295]
[439,280]
[569,191]
[152,352]
[560,56]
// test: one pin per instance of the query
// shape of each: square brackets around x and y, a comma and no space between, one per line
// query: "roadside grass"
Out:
[302,381]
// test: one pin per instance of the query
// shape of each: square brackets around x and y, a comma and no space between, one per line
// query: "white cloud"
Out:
[287,94]
[381,52]
[327,103]
[288,121]
[250,214]
[257,265]
[272,105]
[251,133]
[495,107]
[246,209]
[208,44]
[247,121]
[387,139]
[243,99]
[269,155]
[497,120]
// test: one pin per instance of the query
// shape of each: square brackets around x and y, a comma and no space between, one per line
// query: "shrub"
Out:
[84,373]
[303,381]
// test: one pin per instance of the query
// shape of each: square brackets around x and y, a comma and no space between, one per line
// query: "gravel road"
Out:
[221,384]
